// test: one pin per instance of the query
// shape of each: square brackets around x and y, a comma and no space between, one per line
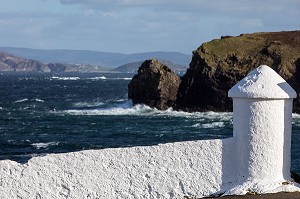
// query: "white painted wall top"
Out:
[262,82]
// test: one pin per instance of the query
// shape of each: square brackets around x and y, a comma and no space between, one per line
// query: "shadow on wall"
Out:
[229,165]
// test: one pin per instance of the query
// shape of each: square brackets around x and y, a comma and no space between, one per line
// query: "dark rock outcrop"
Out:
[219,64]
[155,85]
[57,67]
[133,67]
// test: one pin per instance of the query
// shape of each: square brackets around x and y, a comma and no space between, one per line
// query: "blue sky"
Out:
[131,26]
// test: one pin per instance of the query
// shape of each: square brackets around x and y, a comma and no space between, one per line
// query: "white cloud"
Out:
[139,25]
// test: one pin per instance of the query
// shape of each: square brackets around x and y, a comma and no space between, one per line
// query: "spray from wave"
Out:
[121,107]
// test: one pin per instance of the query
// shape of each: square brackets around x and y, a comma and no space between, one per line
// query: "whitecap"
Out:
[97,78]
[113,78]
[296,119]
[44,145]
[66,78]
[122,100]
[296,116]
[196,125]
[129,78]
[38,100]
[213,125]
[123,78]
[88,104]
[209,125]
[127,108]
[21,100]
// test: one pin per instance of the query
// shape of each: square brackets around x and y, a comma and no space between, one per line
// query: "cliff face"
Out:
[10,63]
[219,64]
[155,85]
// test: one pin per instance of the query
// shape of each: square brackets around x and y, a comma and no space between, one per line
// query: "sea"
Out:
[56,113]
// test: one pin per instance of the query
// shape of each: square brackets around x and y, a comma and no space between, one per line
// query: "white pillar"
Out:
[262,120]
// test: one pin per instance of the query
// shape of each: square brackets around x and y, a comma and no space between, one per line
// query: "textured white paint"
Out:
[262,138]
[164,171]
[256,159]
[262,118]
[263,82]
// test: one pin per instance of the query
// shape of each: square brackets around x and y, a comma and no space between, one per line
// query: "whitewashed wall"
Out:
[256,159]
[165,171]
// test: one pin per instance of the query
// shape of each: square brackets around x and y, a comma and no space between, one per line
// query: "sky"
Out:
[134,26]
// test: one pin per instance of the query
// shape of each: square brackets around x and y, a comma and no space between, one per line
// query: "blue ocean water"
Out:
[44,113]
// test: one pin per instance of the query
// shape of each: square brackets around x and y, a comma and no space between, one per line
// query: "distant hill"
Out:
[128,68]
[104,59]
[133,67]
[12,63]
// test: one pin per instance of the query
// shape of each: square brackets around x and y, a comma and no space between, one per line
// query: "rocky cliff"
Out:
[155,85]
[11,63]
[219,64]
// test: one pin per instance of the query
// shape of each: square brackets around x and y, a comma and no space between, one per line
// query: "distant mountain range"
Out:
[12,63]
[133,67]
[104,59]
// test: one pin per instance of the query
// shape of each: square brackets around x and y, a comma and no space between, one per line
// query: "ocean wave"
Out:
[88,104]
[210,125]
[296,116]
[296,119]
[66,78]
[90,78]
[107,78]
[21,100]
[126,78]
[98,78]
[26,100]
[38,100]
[127,108]
[42,145]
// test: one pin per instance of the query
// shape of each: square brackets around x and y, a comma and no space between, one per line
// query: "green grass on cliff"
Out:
[223,47]
[280,50]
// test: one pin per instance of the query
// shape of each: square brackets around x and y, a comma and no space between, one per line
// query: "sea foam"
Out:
[21,100]
[108,78]
[88,104]
[127,108]
[44,145]
[65,78]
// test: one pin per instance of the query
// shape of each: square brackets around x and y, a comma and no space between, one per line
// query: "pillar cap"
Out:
[262,82]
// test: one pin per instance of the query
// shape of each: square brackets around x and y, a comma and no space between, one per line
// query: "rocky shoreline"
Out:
[219,64]
[155,85]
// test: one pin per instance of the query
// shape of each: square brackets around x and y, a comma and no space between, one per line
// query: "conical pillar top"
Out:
[262,82]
